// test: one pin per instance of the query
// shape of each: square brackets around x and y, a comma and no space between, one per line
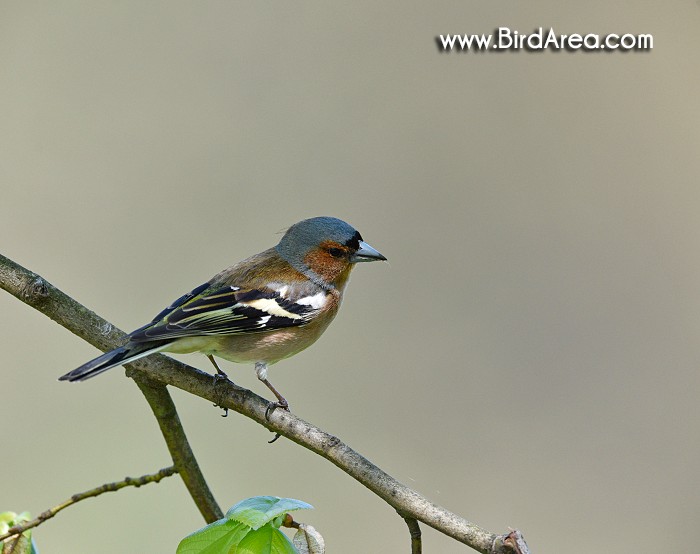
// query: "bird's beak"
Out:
[366,254]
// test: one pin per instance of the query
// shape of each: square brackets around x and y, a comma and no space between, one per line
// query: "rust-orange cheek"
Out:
[325,265]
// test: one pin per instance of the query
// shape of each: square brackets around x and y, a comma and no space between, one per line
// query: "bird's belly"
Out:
[264,347]
[269,347]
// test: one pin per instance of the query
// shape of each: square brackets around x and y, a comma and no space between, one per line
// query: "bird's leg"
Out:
[220,376]
[261,371]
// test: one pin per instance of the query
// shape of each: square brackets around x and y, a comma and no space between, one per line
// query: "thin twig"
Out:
[414,530]
[35,291]
[513,540]
[107,487]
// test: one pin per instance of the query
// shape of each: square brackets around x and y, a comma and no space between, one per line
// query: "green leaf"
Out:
[219,537]
[258,510]
[266,540]
[24,544]
[10,519]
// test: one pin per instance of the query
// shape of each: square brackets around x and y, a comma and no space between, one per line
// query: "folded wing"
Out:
[228,311]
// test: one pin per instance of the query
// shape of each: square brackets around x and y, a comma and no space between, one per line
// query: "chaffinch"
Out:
[261,310]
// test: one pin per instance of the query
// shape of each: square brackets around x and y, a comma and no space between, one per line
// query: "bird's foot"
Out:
[271,407]
[220,376]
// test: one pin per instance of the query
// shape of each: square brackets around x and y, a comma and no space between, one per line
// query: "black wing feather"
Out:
[224,311]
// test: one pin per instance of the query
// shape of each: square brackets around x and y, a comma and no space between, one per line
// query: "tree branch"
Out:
[108,487]
[35,291]
[170,426]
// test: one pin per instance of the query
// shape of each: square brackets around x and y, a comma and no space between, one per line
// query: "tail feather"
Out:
[119,356]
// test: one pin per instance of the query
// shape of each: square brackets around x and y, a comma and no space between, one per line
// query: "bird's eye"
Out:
[335,252]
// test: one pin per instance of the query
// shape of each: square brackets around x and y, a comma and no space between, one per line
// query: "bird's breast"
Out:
[269,346]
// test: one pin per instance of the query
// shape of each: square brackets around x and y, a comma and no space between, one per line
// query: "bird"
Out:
[261,310]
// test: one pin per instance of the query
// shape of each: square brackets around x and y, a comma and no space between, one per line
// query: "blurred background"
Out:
[529,356]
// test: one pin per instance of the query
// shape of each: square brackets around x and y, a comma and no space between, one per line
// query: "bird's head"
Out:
[325,247]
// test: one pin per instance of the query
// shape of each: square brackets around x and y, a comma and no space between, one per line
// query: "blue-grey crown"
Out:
[309,233]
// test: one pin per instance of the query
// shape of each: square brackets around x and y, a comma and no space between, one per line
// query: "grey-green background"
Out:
[529,357]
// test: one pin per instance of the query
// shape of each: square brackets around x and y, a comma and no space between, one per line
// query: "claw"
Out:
[221,376]
[225,414]
[271,407]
